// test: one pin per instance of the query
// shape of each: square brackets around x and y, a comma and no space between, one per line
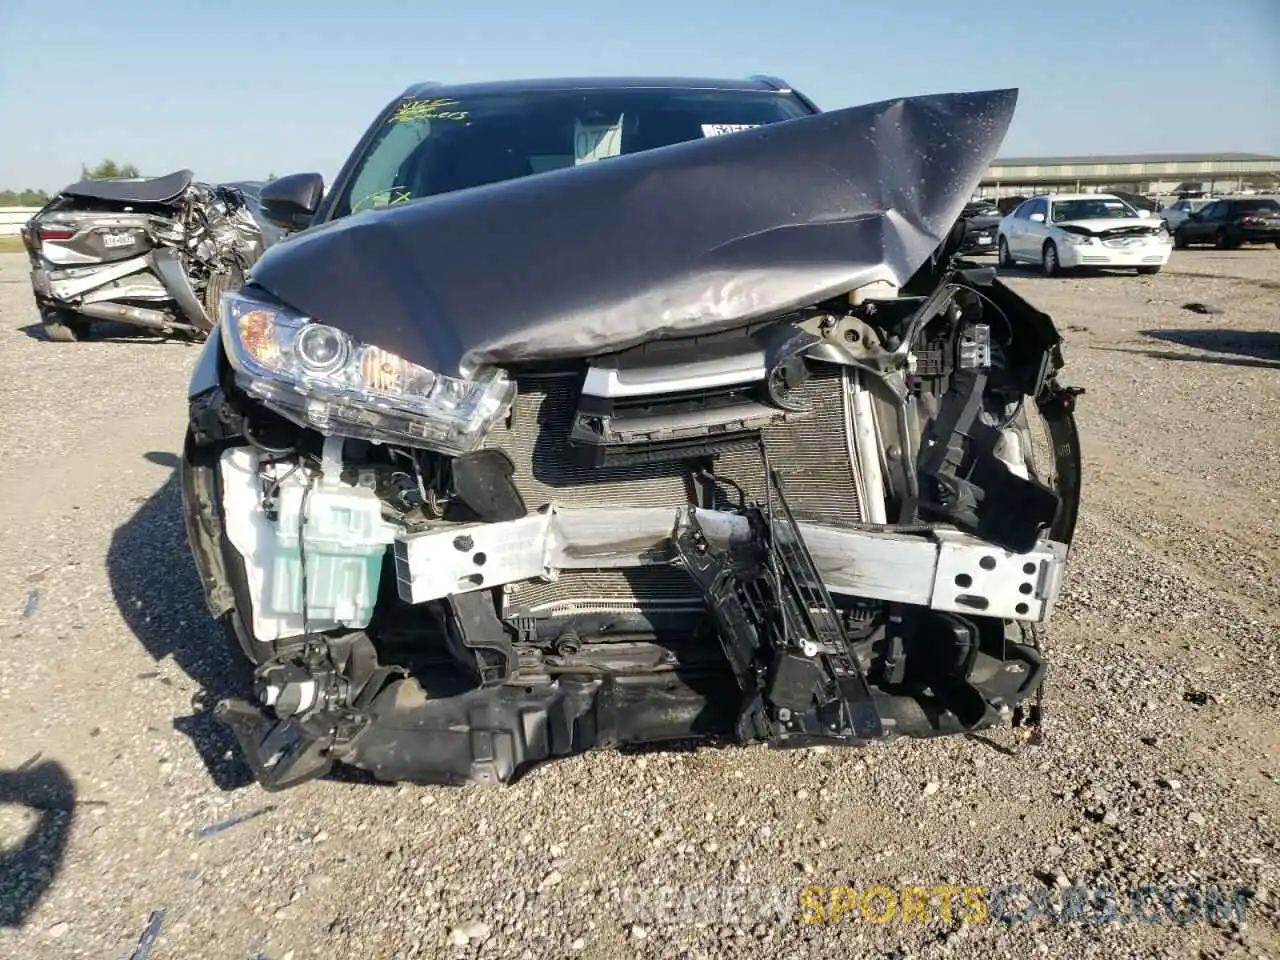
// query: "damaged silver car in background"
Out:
[156,253]
[589,413]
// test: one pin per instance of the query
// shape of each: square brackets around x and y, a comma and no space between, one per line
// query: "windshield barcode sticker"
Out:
[716,129]
[596,141]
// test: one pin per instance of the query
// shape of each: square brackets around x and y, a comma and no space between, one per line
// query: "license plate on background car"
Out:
[117,239]
[984,239]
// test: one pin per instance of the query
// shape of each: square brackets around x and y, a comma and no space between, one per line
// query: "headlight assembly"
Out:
[1076,239]
[321,377]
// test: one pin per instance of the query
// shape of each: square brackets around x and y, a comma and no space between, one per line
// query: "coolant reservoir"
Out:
[330,543]
[324,541]
[337,539]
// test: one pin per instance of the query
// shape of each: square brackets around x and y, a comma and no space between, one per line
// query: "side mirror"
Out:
[291,201]
[1038,217]
[1144,214]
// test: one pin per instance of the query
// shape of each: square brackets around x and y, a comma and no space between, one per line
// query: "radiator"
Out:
[812,451]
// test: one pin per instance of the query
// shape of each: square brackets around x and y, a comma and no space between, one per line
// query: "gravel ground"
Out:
[1159,768]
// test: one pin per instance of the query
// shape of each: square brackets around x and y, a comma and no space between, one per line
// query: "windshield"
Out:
[1093,208]
[433,146]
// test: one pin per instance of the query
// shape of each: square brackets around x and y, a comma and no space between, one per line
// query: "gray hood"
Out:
[682,240]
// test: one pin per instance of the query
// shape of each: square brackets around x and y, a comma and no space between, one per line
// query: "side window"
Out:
[1023,210]
[1040,206]
[1211,211]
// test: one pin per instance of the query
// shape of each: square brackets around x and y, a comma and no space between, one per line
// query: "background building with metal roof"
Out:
[1150,173]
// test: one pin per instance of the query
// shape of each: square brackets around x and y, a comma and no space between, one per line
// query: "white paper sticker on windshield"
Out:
[715,129]
[596,141]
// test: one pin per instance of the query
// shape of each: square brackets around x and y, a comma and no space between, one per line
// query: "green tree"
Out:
[23,198]
[107,170]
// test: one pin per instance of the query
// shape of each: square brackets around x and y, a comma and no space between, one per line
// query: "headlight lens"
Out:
[1078,239]
[321,377]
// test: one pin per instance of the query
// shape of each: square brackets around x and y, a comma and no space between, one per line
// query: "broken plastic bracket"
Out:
[282,753]
[779,630]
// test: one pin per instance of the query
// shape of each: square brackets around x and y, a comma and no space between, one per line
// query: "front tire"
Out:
[1180,240]
[1050,265]
[1147,271]
[228,280]
[1006,259]
[1222,240]
[62,326]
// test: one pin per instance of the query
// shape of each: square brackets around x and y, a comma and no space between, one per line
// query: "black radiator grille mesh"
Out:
[535,440]
[811,451]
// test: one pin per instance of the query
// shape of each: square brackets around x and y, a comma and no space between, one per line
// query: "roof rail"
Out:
[777,83]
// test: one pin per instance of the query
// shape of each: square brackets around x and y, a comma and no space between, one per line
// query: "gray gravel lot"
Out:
[1160,766]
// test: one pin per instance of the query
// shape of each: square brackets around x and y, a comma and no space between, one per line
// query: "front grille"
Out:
[811,451]
[535,436]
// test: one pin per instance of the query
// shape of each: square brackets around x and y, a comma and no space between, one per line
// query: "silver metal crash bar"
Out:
[945,570]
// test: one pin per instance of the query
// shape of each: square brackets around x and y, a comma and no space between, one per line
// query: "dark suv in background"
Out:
[981,217]
[1228,224]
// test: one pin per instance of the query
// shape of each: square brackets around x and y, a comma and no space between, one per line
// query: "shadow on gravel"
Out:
[104,331]
[1029,271]
[27,869]
[1261,348]
[155,585]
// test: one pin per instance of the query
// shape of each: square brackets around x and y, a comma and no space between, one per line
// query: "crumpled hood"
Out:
[689,239]
[1108,224]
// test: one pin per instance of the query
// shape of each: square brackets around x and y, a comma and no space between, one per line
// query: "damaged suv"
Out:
[588,413]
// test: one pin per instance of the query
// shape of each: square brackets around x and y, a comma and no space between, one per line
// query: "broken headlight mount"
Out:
[321,377]
[1006,350]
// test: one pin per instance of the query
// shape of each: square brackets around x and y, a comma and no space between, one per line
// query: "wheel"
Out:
[1004,257]
[1049,259]
[1149,270]
[1222,240]
[227,280]
[1278,244]
[63,326]
[1180,240]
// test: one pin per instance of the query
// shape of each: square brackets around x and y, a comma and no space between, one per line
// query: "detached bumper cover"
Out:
[945,571]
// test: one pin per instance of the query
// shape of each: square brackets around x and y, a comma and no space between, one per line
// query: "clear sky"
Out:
[237,89]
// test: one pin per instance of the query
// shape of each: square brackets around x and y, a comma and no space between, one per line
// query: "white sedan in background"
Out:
[1064,231]
[1178,211]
